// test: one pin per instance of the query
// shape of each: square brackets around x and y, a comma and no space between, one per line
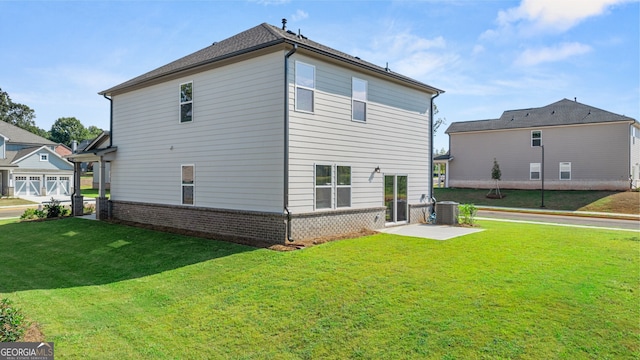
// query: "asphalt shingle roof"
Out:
[20,136]
[563,112]
[259,37]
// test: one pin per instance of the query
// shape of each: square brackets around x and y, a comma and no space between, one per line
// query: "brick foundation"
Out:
[253,227]
[230,225]
[332,223]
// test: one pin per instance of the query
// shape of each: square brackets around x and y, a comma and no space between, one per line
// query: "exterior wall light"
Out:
[377,169]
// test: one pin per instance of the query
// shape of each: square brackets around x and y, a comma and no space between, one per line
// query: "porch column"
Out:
[11,188]
[102,203]
[77,200]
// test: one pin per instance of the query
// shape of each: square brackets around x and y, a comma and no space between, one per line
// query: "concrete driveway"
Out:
[428,231]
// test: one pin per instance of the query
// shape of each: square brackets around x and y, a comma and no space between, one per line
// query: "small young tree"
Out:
[496,175]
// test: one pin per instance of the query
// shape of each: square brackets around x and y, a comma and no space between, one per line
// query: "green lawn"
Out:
[100,290]
[591,200]
[93,193]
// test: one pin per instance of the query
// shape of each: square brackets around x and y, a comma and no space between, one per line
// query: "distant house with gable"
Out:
[585,148]
[32,165]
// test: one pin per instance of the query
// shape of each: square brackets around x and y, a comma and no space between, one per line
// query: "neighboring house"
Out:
[30,165]
[268,135]
[63,150]
[585,148]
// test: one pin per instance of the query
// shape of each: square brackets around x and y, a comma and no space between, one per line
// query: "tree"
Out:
[439,122]
[93,132]
[496,175]
[19,115]
[67,129]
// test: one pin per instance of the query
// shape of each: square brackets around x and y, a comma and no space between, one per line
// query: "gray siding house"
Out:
[585,148]
[30,165]
[269,136]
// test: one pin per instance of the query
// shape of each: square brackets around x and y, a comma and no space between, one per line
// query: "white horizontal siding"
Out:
[235,140]
[395,137]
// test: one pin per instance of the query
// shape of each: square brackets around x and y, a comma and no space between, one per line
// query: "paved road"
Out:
[562,219]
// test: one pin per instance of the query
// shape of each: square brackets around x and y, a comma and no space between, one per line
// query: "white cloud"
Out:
[560,52]
[535,16]
[299,15]
[408,54]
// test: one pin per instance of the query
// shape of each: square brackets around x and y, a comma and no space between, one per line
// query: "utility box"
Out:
[447,213]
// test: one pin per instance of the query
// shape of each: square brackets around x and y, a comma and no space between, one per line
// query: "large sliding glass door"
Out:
[395,198]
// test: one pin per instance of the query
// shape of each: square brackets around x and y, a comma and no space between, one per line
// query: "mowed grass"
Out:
[100,290]
[571,200]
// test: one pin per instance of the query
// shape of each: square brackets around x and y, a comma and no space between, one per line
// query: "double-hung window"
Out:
[324,186]
[188,184]
[359,99]
[305,86]
[565,171]
[343,186]
[536,138]
[534,171]
[332,186]
[186,102]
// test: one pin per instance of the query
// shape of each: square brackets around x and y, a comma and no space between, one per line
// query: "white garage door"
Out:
[58,185]
[28,185]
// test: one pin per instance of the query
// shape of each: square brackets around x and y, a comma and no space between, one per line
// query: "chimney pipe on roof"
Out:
[284,24]
[74,146]
[575,99]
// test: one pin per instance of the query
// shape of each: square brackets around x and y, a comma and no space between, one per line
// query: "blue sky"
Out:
[489,56]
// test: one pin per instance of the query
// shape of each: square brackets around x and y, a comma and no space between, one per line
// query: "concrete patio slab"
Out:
[427,231]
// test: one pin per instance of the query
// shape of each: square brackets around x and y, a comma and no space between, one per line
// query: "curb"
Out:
[602,215]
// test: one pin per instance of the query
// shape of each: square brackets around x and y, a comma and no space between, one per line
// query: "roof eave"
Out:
[119,88]
[368,67]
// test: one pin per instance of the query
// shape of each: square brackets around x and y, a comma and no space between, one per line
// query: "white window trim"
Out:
[532,166]
[350,186]
[354,99]
[560,170]
[192,185]
[531,137]
[316,186]
[180,103]
[296,86]
[333,186]
[44,157]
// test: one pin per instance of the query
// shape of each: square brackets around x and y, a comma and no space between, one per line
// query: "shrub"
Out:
[31,214]
[88,209]
[54,209]
[467,214]
[12,322]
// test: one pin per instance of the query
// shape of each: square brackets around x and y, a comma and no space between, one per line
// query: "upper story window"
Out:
[188,184]
[536,138]
[565,171]
[305,86]
[44,157]
[359,99]
[186,102]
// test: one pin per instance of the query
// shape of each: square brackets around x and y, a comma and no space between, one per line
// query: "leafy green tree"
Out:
[93,132]
[19,115]
[67,129]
